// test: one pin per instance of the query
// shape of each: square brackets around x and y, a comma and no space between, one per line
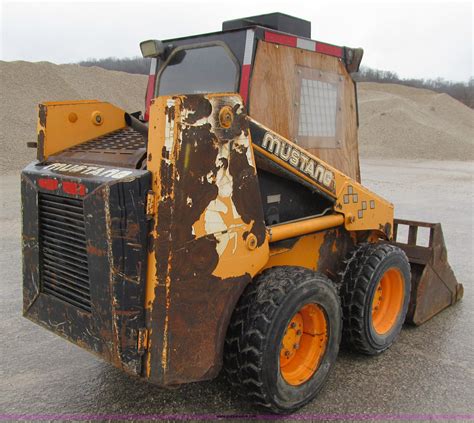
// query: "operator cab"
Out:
[300,88]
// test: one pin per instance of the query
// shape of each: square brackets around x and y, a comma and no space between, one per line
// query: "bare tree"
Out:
[131,65]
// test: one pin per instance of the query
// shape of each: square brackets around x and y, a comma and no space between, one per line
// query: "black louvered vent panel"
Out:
[126,139]
[64,268]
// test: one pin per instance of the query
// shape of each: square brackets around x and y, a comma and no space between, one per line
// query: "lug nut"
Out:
[298,332]
[293,325]
[296,346]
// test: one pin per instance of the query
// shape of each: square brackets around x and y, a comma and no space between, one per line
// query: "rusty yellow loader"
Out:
[226,226]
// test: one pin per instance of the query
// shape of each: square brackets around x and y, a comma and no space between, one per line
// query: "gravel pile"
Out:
[395,121]
[410,123]
[24,84]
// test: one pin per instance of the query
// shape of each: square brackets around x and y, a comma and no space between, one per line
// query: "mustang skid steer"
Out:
[227,226]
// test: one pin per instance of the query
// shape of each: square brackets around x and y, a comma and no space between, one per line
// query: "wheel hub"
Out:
[387,301]
[303,344]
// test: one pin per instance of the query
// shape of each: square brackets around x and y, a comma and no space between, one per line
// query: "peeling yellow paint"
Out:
[220,217]
[305,253]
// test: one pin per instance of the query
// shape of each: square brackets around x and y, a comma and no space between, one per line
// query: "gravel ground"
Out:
[428,374]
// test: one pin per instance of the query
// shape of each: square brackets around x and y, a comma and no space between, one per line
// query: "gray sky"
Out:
[421,39]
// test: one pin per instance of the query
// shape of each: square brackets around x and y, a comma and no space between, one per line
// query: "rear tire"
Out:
[263,340]
[375,294]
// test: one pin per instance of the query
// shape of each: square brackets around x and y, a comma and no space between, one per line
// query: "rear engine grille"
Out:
[64,267]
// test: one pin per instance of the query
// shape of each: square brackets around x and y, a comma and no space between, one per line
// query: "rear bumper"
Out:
[84,256]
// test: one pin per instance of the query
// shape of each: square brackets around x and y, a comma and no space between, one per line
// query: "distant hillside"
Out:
[137,65]
[461,91]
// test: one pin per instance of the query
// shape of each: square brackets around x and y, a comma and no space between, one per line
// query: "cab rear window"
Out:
[199,70]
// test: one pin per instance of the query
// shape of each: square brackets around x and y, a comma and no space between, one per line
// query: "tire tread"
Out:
[356,279]
[250,323]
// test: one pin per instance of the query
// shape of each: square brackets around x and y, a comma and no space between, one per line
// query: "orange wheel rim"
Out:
[388,301]
[304,344]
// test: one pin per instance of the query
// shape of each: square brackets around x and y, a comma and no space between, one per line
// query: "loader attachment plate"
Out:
[434,285]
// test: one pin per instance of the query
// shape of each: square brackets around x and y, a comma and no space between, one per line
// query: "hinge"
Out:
[150,204]
[142,340]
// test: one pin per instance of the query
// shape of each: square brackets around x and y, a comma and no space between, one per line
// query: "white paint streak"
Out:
[224,178]
[169,128]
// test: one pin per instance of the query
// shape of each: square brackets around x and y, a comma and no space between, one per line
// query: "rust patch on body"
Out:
[197,107]
[42,115]
[42,112]
[206,182]
[335,247]
[133,230]
[40,148]
[246,191]
[94,251]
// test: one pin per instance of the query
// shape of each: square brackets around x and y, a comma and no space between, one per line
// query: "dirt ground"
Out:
[428,374]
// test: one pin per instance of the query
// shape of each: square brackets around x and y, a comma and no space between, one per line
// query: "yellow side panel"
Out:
[304,253]
[324,251]
[64,124]
[208,238]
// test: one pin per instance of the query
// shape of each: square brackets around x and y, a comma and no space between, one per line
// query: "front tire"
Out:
[284,338]
[375,294]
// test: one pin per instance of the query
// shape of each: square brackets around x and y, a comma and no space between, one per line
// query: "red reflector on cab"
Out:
[288,40]
[74,188]
[329,49]
[49,184]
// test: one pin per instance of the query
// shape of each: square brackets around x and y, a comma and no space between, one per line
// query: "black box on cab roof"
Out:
[276,21]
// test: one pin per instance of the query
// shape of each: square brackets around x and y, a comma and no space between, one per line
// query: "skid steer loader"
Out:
[226,227]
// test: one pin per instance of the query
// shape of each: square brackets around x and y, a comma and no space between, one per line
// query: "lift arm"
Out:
[361,208]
